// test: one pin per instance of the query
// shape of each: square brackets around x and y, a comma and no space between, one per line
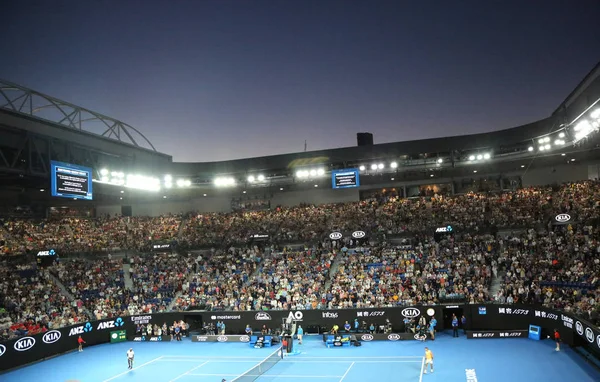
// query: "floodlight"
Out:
[313,172]
[261,178]
[373,167]
[530,148]
[320,172]
[542,148]
[104,172]
[251,178]
[486,156]
[479,157]
[471,157]
[362,168]
[541,140]
[380,166]
[168,178]
[595,113]
[561,135]
[393,165]
[547,147]
[440,161]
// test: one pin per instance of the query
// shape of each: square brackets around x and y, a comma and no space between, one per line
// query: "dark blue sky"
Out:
[214,80]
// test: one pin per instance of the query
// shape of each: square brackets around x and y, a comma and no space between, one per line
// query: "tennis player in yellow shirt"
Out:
[428,360]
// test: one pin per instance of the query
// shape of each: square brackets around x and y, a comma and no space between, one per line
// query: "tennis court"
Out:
[489,360]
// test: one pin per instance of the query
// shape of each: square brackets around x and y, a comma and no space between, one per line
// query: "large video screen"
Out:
[345,178]
[70,181]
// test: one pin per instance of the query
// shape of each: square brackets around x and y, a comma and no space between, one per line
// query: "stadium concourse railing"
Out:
[481,318]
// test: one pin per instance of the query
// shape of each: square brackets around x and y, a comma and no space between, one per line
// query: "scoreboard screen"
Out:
[345,178]
[70,181]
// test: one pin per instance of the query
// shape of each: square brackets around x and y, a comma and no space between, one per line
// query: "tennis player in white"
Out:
[130,356]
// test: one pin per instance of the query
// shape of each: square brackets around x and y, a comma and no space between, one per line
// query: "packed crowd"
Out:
[554,265]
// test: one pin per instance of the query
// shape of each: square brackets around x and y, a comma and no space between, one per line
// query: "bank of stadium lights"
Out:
[479,157]
[224,182]
[258,178]
[313,173]
[139,182]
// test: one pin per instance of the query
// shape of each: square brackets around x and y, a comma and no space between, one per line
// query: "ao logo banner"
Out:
[24,344]
[295,316]
[51,337]
[589,335]
[411,312]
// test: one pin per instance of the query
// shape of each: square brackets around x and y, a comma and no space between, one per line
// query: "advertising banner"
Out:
[497,334]
[118,336]
[37,347]
[150,338]
[221,338]
[235,322]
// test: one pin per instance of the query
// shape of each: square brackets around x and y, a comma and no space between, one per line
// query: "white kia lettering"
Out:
[24,344]
[244,339]
[2,350]
[358,234]
[411,312]
[51,336]
[562,218]
[222,338]
[335,235]
[366,337]
[393,337]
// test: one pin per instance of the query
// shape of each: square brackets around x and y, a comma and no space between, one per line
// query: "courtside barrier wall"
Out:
[235,322]
[33,348]
[480,317]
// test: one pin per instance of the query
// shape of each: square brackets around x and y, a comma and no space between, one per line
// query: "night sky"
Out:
[217,80]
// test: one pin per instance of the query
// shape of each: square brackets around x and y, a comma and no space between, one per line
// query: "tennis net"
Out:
[264,366]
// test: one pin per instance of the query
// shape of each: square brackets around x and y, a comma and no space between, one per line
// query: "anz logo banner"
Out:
[110,324]
[79,330]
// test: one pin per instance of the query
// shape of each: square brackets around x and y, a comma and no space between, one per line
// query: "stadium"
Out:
[209,270]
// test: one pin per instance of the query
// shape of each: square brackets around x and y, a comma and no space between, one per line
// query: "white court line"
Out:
[211,361]
[300,356]
[422,367]
[347,371]
[189,371]
[267,375]
[135,368]
[297,361]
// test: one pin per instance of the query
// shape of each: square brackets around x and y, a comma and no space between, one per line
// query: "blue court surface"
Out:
[456,359]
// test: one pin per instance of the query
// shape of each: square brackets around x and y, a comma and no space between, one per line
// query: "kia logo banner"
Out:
[589,335]
[262,316]
[2,350]
[244,339]
[335,235]
[24,344]
[222,338]
[411,312]
[366,337]
[394,337]
[562,218]
[51,337]
[358,234]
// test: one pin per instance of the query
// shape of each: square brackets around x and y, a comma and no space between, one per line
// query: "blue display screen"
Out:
[345,178]
[70,181]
